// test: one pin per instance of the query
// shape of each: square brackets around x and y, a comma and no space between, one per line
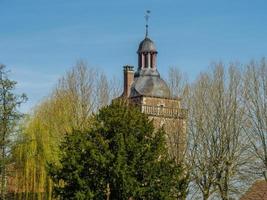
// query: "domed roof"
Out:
[149,83]
[147,45]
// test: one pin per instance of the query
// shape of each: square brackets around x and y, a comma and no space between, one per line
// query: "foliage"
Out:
[70,106]
[226,126]
[9,117]
[121,157]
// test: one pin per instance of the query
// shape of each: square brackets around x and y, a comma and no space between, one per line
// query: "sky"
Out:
[40,40]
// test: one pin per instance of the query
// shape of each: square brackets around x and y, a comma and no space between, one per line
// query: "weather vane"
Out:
[147,18]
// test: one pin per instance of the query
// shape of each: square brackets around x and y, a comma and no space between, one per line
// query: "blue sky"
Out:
[41,39]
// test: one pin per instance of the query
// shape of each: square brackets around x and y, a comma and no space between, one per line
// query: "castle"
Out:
[149,91]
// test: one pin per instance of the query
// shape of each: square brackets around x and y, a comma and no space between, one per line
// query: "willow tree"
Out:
[9,117]
[70,106]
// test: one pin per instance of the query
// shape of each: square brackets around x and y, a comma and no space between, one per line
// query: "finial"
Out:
[147,18]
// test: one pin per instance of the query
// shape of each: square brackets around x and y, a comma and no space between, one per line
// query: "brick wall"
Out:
[167,113]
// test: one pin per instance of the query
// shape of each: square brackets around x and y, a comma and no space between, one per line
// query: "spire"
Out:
[147,51]
[147,18]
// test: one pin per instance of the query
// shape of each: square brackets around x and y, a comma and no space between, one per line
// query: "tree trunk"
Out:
[3,174]
[206,196]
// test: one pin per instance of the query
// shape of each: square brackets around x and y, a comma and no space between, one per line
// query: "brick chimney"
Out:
[128,79]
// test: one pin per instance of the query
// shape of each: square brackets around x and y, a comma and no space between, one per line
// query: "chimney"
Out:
[128,79]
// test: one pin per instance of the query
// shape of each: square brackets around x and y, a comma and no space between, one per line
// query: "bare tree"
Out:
[103,93]
[203,173]
[84,90]
[177,82]
[218,145]
[78,94]
[179,86]
[77,89]
[255,99]
[115,87]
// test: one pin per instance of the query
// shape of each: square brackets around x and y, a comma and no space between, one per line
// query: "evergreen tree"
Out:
[121,157]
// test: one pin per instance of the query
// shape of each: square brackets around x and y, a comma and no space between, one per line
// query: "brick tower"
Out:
[149,91]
